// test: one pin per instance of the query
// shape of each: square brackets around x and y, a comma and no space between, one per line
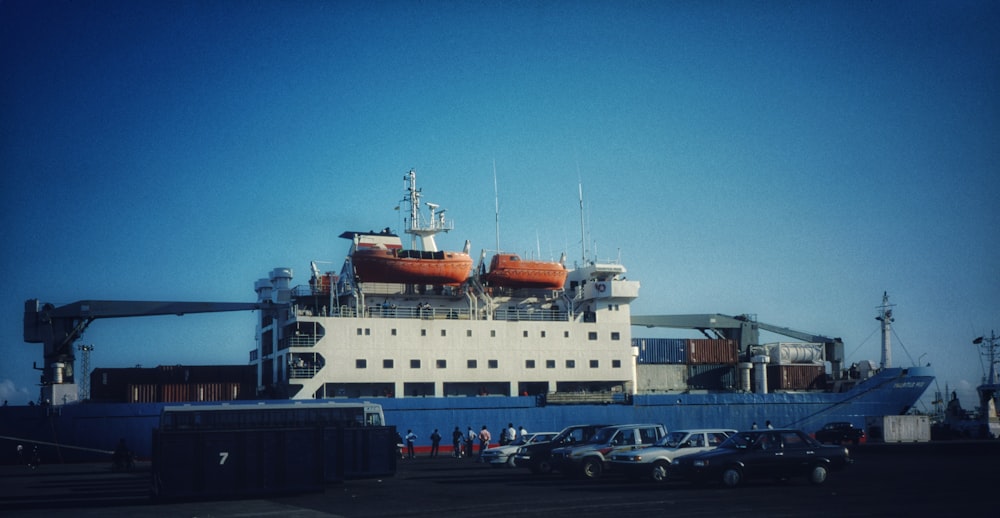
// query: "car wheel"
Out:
[660,468]
[817,475]
[732,477]
[592,468]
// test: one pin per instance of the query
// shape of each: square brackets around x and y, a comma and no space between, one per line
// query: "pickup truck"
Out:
[839,433]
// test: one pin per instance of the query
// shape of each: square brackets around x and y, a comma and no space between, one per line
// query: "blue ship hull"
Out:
[88,432]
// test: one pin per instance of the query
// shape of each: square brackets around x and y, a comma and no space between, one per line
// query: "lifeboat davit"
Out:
[380,257]
[510,271]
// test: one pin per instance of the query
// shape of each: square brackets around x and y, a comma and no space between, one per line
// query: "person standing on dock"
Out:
[484,441]
[410,437]
[456,443]
[435,442]
[470,439]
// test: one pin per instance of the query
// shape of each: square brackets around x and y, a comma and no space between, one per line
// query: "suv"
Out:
[840,432]
[589,459]
[537,456]
[653,461]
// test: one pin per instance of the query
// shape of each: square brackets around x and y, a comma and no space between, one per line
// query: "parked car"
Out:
[505,455]
[653,461]
[839,433]
[538,456]
[774,454]
[591,458]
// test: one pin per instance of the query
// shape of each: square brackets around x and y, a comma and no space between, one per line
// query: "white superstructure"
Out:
[342,339]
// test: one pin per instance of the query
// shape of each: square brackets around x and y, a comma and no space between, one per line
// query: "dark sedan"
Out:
[769,454]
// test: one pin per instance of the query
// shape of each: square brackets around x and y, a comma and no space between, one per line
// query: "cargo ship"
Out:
[486,347]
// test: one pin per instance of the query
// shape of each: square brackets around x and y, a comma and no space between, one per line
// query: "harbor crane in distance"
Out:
[743,329]
[58,327]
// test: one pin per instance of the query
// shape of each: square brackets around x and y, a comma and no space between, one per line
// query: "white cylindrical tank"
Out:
[57,372]
[743,370]
[760,373]
[788,353]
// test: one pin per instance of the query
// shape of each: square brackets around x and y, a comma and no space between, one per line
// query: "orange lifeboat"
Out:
[510,271]
[380,257]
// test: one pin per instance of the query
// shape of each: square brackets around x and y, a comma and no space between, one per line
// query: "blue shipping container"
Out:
[661,350]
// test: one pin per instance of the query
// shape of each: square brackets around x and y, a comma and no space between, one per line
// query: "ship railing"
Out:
[306,372]
[530,315]
[301,341]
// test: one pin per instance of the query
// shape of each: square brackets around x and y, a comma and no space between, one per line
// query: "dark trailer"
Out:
[238,450]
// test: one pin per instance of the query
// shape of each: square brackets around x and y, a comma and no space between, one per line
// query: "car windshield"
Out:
[603,436]
[738,441]
[672,440]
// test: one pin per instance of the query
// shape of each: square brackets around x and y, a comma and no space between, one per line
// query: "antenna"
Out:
[496,203]
[583,229]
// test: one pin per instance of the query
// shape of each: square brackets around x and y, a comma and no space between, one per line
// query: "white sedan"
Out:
[652,462]
[504,455]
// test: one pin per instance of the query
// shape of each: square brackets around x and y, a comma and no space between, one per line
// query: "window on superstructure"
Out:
[387,364]
[492,364]
[615,335]
[493,333]
[550,364]
[444,332]
[414,364]
[565,334]
[592,335]
[442,364]
[529,364]
[360,363]
[360,331]
[543,334]
[616,364]
[468,332]
[611,307]
[594,364]
[394,331]
[525,334]
[368,331]
[423,332]
[570,364]
[471,364]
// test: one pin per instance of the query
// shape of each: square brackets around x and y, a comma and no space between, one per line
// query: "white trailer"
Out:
[898,428]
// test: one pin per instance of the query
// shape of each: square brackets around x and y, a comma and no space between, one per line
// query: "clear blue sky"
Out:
[788,159]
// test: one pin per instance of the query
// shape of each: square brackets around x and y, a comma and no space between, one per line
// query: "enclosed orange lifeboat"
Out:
[380,257]
[510,271]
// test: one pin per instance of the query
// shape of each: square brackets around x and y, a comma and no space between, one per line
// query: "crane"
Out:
[744,329]
[58,327]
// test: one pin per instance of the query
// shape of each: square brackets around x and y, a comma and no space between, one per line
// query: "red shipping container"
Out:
[720,352]
[795,377]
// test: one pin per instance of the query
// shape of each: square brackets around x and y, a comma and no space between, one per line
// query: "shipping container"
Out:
[795,353]
[712,377]
[707,351]
[255,462]
[237,463]
[661,350]
[661,378]
[795,377]
[898,428]
[173,384]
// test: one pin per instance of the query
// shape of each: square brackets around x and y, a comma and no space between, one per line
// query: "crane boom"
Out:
[58,327]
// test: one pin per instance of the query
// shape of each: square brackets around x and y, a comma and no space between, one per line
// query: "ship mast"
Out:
[885,316]
[989,350]
[435,225]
